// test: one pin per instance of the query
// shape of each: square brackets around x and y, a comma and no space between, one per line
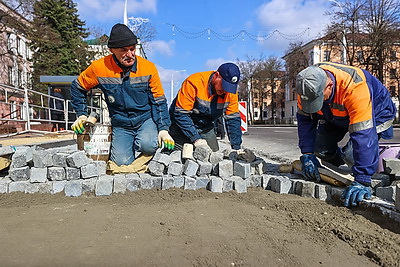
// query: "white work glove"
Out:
[164,137]
[201,143]
[79,125]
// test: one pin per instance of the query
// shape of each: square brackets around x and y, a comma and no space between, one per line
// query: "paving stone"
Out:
[179,181]
[216,157]
[104,185]
[202,153]
[43,188]
[176,156]
[72,173]
[225,168]
[202,182]
[58,186]
[266,184]
[19,186]
[20,174]
[227,185]
[254,180]
[216,184]
[7,150]
[397,202]
[391,166]
[258,167]
[387,193]
[60,159]
[323,192]
[164,159]
[18,159]
[304,188]
[281,185]
[56,173]
[120,183]
[175,168]
[78,159]
[190,183]
[336,192]
[101,166]
[156,168]
[133,182]
[42,158]
[89,171]
[190,168]
[205,168]
[242,169]
[240,185]
[38,175]
[4,182]
[167,182]
[157,181]
[73,188]
[146,181]
[89,185]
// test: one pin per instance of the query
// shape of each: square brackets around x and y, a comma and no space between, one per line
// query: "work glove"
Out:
[355,193]
[166,139]
[79,124]
[201,143]
[309,167]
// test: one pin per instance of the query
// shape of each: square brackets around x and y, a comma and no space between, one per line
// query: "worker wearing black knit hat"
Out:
[135,100]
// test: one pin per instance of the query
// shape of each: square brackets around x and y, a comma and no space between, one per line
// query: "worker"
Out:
[135,100]
[336,99]
[202,99]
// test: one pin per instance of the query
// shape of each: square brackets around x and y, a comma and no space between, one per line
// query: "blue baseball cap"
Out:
[230,74]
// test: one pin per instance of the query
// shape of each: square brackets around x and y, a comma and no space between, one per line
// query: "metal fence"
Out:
[31,111]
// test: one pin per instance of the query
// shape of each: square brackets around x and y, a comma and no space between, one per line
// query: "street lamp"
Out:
[344,42]
[172,83]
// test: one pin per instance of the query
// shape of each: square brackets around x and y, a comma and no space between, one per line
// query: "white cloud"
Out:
[292,17]
[166,76]
[161,47]
[114,10]
[213,64]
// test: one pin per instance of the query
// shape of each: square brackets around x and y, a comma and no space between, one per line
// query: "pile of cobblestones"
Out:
[68,170]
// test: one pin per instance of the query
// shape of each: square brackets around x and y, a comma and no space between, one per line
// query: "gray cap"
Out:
[310,85]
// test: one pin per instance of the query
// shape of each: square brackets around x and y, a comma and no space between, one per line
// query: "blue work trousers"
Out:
[128,140]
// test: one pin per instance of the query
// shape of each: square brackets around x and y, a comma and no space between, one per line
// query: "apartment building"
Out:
[325,49]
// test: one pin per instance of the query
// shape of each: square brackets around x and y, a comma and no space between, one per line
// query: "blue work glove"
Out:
[355,193]
[309,167]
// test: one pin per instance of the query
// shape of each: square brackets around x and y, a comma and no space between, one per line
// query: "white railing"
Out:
[26,109]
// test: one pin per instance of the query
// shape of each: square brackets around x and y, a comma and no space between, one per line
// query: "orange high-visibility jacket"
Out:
[196,108]
[360,103]
[132,98]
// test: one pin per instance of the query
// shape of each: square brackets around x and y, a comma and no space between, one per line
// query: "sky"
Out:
[199,35]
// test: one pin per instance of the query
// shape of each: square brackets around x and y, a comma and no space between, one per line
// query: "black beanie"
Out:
[121,36]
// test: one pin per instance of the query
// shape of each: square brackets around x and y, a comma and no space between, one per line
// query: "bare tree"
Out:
[371,28]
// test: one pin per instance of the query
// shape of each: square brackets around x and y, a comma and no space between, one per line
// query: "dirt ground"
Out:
[192,228]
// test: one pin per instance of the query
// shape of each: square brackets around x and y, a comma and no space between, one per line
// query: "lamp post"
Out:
[172,83]
[344,42]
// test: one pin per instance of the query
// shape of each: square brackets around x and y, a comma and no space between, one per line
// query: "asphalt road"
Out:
[282,142]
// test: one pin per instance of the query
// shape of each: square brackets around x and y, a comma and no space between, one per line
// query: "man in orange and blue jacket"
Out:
[134,96]
[202,99]
[334,99]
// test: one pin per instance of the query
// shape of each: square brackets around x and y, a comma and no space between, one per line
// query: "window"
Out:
[327,55]
[20,82]
[256,104]
[265,114]
[255,114]
[10,76]
[255,95]
[19,46]
[392,90]
[393,56]
[9,42]
[393,74]
[292,111]
[265,105]
[311,58]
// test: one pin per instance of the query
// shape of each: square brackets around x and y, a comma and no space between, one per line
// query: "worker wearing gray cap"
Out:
[336,99]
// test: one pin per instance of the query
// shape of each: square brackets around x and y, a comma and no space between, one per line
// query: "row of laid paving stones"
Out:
[65,169]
